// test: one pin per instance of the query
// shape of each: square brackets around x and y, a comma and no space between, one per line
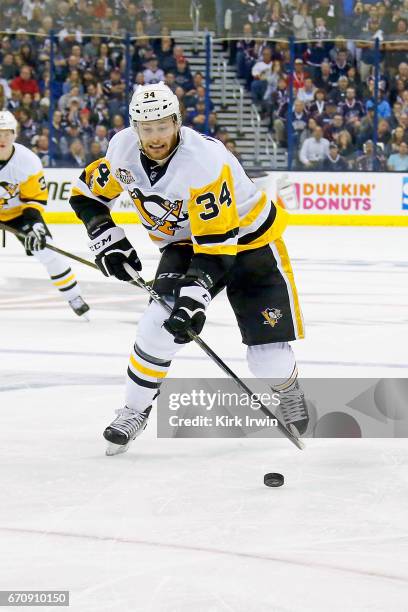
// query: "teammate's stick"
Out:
[139,282]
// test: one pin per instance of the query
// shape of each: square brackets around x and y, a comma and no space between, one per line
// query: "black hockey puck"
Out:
[273,479]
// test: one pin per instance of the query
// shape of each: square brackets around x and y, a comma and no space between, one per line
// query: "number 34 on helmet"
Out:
[153,102]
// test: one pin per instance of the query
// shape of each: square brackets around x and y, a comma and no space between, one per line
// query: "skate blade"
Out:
[116,449]
[85,317]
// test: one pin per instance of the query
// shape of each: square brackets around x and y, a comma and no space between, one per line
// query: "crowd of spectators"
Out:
[332,119]
[69,118]
[319,19]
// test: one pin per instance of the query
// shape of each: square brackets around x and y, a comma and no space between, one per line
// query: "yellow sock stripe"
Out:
[65,281]
[287,269]
[146,371]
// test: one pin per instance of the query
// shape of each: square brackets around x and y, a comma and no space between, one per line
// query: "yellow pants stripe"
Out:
[65,281]
[288,272]
[146,371]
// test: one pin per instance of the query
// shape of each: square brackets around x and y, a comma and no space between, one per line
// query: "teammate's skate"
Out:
[80,307]
[293,409]
[127,426]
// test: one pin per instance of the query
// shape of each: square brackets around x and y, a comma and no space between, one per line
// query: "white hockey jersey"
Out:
[22,184]
[201,194]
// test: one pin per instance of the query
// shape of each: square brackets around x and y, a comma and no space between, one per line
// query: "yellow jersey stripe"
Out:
[255,212]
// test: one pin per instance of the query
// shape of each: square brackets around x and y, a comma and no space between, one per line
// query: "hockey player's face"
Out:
[7,137]
[158,138]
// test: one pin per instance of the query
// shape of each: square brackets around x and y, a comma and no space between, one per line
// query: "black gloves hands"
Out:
[35,238]
[112,250]
[192,298]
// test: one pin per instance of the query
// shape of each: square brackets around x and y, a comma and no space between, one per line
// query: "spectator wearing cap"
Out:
[25,83]
[299,76]
[182,73]
[334,162]
[153,74]
[314,150]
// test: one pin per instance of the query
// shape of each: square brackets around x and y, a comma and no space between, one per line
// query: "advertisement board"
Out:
[314,198]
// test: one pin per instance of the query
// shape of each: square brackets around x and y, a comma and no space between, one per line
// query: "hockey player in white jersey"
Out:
[23,196]
[215,230]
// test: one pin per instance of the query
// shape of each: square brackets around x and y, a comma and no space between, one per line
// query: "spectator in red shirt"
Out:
[26,84]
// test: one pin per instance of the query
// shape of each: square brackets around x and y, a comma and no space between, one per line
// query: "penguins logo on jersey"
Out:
[7,191]
[158,213]
[124,176]
[272,316]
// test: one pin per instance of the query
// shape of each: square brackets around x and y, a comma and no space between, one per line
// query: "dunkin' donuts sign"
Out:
[336,196]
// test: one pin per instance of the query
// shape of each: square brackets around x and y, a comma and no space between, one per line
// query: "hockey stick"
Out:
[139,282]
[51,247]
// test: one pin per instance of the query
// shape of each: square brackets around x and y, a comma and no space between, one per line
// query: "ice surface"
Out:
[187,525]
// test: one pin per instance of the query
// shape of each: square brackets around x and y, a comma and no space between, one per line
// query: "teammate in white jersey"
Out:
[215,230]
[23,196]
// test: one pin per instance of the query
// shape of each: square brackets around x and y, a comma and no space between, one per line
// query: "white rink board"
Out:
[348,198]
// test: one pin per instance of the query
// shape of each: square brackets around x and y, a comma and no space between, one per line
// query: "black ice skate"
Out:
[293,409]
[80,307]
[126,427]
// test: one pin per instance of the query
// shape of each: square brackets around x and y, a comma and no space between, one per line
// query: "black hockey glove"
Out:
[112,249]
[35,237]
[192,298]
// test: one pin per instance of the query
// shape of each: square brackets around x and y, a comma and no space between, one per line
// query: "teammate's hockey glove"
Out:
[112,249]
[35,238]
[192,298]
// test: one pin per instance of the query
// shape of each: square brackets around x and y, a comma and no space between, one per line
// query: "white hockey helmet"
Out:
[153,102]
[8,121]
